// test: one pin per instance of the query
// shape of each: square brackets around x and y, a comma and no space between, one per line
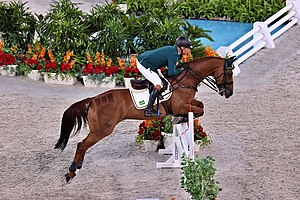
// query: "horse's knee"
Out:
[199,112]
[199,104]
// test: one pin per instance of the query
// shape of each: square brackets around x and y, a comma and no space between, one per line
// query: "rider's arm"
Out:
[172,67]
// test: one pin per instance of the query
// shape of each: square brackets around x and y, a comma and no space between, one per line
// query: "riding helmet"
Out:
[182,41]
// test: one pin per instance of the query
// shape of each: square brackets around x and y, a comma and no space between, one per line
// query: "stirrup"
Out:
[152,113]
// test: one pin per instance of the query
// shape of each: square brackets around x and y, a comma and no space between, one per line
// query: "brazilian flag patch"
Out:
[142,102]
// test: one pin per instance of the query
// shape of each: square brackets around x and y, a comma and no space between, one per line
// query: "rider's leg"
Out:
[155,79]
[149,111]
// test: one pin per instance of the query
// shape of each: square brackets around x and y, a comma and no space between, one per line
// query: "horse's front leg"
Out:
[196,107]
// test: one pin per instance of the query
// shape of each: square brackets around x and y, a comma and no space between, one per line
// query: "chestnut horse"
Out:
[104,111]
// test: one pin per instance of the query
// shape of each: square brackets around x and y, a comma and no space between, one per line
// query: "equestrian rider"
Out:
[150,61]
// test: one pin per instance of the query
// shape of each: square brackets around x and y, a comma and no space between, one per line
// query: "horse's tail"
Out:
[74,116]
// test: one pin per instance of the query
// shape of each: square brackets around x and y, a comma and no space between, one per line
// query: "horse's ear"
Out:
[232,59]
[229,61]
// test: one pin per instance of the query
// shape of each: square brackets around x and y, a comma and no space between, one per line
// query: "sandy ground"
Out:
[255,137]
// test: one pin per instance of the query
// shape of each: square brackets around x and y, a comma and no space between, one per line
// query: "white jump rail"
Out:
[183,143]
[261,35]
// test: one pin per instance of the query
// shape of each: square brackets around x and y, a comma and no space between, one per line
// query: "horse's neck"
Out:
[184,79]
[206,66]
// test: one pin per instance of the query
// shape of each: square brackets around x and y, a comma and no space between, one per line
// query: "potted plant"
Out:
[129,71]
[201,138]
[167,130]
[198,178]
[99,71]
[61,71]
[33,62]
[149,133]
[7,62]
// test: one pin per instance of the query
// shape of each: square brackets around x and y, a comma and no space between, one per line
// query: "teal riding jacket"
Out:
[161,57]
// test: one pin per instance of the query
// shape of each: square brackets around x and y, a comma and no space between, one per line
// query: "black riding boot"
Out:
[149,111]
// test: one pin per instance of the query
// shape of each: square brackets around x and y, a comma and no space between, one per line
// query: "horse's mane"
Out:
[200,59]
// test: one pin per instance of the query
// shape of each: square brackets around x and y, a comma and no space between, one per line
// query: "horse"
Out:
[104,111]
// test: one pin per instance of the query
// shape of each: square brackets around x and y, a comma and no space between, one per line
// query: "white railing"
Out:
[261,35]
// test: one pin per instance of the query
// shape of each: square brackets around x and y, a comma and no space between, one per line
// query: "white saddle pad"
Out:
[140,98]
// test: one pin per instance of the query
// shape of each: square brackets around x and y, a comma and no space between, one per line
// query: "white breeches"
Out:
[150,75]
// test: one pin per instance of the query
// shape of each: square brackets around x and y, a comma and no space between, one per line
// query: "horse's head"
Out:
[219,68]
[224,77]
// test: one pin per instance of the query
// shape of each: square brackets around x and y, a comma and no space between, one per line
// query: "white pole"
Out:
[191,132]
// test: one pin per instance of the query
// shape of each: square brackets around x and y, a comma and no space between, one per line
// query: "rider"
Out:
[150,61]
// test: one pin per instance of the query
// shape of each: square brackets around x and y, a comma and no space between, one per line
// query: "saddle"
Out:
[140,91]
[146,84]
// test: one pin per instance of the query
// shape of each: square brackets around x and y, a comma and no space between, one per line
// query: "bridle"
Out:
[208,81]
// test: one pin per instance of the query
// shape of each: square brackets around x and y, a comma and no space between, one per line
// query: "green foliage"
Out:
[64,28]
[167,124]
[194,33]
[17,24]
[113,32]
[146,25]
[198,178]
[237,10]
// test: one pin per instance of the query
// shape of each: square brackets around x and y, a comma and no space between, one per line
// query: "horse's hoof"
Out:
[69,177]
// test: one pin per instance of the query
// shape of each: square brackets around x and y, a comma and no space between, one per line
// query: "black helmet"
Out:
[183,42]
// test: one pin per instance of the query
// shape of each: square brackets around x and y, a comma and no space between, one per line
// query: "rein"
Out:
[209,82]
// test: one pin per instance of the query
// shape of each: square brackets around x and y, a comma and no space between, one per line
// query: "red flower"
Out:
[6,59]
[65,67]
[50,66]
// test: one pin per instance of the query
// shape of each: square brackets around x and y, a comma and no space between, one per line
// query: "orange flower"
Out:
[98,58]
[133,61]
[29,49]
[72,62]
[147,123]
[1,44]
[34,57]
[38,47]
[42,54]
[89,58]
[68,56]
[121,63]
[187,57]
[209,52]
[108,64]
[51,56]
[196,121]
[102,59]
[14,48]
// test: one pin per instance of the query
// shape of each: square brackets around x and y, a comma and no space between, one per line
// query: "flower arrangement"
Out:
[33,59]
[152,130]
[131,70]
[99,67]
[200,135]
[61,64]
[5,57]
[149,130]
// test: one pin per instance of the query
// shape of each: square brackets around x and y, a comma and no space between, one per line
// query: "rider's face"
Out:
[185,50]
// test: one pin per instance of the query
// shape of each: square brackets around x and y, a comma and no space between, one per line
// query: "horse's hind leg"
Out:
[82,147]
